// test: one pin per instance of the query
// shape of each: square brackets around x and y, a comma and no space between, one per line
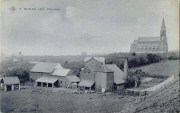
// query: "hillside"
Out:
[170,67]
[165,99]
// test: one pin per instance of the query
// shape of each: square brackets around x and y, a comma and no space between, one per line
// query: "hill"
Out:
[169,67]
[165,99]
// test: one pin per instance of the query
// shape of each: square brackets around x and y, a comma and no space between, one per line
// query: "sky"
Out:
[91,26]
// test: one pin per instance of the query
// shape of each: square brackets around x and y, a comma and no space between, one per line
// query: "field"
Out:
[31,99]
[166,99]
[170,67]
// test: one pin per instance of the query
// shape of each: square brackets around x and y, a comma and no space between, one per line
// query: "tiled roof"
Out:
[86,83]
[60,72]
[99,59]
[149,39]
[44,67]
[118,74]
[99,68]
[47,79]
[73,78]
[11,80]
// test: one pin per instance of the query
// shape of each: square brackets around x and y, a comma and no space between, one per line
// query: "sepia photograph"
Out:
[89,56]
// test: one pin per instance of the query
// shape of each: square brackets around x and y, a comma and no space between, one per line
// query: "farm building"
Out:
[97,75]
[10,83]
[41,69]
[52,75]
[94,61]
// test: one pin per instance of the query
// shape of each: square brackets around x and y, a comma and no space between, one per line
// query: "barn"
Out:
[97,75]
[42,69]
[52,75]
[119,79]
[10,83]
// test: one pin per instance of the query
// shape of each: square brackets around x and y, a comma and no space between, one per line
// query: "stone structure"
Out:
[151,44]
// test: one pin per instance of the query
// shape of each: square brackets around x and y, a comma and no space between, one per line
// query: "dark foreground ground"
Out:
[31,99]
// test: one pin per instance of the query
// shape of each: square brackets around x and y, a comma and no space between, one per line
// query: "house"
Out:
[97,75]
[10,83]
[94,61]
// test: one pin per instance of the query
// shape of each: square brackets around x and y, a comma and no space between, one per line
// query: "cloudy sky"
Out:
[102,26]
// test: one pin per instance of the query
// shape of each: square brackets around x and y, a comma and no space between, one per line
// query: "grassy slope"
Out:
[165,99]
[162,68]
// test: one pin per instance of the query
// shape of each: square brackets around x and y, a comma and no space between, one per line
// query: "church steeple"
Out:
[163,27]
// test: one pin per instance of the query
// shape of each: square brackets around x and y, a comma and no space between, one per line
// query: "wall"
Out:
[110,81]
[92,62]
[35,76]
[169,80]
[100,80]
[87,74]
[63,82]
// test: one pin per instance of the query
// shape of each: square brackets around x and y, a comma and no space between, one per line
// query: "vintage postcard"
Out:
[89,56]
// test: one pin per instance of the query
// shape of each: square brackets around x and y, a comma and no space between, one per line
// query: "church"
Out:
[151,44]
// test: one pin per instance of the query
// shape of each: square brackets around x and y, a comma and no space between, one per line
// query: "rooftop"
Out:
[47,79]
[44,67]
[149,39]
[99,59]
[11,80]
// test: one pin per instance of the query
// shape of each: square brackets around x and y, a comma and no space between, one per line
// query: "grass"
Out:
[165,99]
[58,100]
[167,68]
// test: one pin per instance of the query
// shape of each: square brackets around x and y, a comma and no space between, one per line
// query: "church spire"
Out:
[163,27]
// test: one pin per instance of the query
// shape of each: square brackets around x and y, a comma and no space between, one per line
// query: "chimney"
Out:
[125,68]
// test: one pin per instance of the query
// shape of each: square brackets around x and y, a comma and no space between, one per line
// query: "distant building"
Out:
[52,75]
[83,53]
[151,44]
[10,83]
[97,75]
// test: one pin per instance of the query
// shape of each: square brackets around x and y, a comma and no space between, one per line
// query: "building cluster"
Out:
[96,75]
[151,44]
[52,75]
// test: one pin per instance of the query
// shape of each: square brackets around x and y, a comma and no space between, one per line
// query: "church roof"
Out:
[148,38]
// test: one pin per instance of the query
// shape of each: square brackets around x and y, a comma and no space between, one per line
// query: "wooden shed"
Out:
[10,83]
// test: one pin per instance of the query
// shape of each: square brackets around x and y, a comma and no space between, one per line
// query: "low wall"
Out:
[169,80]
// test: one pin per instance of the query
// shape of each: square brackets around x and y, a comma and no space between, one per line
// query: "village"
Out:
[74,56]
[97,80]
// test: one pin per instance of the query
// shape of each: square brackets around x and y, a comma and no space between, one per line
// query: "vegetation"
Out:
[139,59]
[75,66]
[134,79]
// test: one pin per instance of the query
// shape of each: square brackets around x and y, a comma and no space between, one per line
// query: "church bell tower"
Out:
[164,45]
